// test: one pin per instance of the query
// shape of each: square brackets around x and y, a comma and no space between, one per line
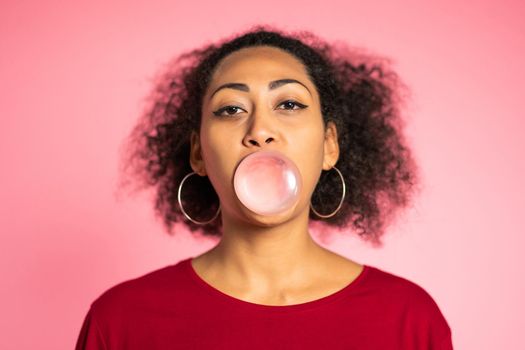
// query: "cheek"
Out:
[212,143]
[309,158]
[218,160]
[214,154]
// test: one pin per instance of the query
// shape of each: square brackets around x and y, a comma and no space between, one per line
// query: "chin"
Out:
[270,220]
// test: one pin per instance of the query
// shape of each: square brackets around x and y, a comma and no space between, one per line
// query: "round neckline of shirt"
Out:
[188,267]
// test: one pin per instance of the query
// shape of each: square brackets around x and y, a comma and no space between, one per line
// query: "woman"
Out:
[267,284]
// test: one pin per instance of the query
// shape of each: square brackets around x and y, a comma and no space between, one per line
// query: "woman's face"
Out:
[261,111]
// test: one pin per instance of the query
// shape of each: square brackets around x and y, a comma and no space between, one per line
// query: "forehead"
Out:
[261,61]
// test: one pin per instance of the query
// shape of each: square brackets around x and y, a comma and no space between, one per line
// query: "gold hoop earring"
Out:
[184,212]
[218,210]
[340,202]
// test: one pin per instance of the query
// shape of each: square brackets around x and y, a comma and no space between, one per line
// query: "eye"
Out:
[293,103]
[220,111]
[231,110]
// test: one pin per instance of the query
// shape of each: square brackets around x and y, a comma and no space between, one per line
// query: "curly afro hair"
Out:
[357,92]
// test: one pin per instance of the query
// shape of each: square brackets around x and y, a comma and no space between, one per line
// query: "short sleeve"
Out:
[442,338]
[90,337]
[446,342]
[427,327]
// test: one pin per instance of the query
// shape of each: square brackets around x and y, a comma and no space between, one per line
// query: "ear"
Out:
[331,146]
[196,161]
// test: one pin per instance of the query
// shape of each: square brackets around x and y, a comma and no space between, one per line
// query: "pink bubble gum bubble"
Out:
[267,182]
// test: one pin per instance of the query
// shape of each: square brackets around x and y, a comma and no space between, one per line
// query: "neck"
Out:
[269,256]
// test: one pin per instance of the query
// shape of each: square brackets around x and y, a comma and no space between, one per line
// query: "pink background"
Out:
[72,79]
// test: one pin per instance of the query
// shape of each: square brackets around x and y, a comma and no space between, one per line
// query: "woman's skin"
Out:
[270,260]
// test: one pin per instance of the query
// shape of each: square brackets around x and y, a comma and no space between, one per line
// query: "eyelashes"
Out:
[231,108]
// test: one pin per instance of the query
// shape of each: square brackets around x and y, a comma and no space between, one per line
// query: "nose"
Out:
[260,130]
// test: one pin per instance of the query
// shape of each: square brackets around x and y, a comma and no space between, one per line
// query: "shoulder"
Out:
[399,288]
[407,296]
[395,283]
[138,293]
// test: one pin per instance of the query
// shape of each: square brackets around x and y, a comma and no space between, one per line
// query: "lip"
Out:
[269,152]
[266,151]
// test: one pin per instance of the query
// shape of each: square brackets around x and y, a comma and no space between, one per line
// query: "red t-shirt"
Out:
[174,308]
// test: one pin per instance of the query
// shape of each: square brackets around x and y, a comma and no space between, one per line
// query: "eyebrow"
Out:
[271,86]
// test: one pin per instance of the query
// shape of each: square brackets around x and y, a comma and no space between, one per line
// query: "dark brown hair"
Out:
[357,92]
